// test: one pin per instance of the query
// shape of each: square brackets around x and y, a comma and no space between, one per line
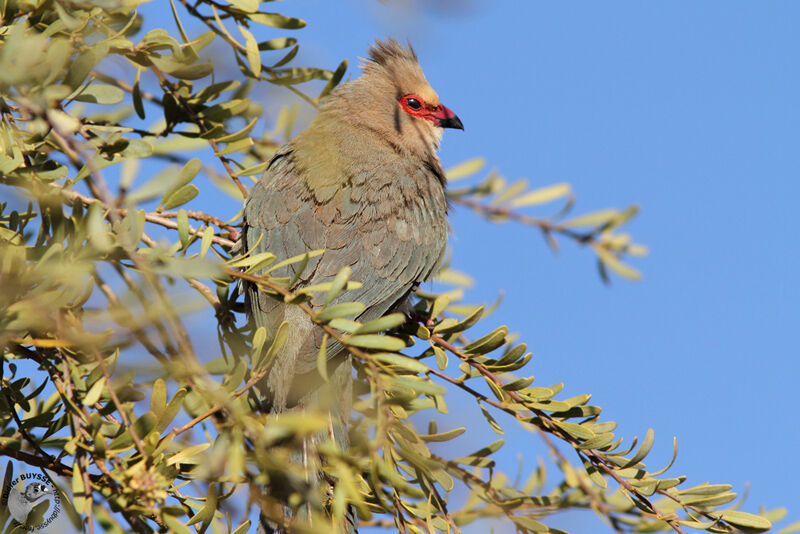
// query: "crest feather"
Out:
[384,52]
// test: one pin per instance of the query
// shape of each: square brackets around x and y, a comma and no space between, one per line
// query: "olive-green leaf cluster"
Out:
[110,125]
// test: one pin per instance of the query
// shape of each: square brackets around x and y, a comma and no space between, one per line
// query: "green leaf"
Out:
[100,93]
[443,436]
[259,338]
[322,359]
[183,227]
[707,489]
[158,400]
[542,196]
[595,218]
[243,528]
[277,21]
[93,395]
[375,341]
[612,262]
[253,55]
[575,430]
[439,305]
[382,323]
[399,360]
[338,74]
[236,146]
[181,70]
[338,284]
[340,310]
[489,342]
[441,358]
[744,520]
[492,423]
[644,449]
[205,243]
[249,6]
[255,169]
[181,196]
[465,169]
[187,453]
[206,513]
[277,344]
[420,385]
[529,524]
[277,44]
[241,134]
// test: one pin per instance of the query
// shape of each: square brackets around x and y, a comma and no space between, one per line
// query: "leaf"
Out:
[277,344]
[338,284]
[542,195]
[612,262]
[241,134]
[744,520]
[489,342]
[441,358]
[375,341]
[255,169]
[236,146]
[259,338]
[382,323]
[492,423]
[206,513]
[182,221]
[340,310]
[322,359]
[643,451]
[296,259]
[338,74]
[253,55]
[707,489]
[158,400]
[205,243]
[464,169]
[443,436]
[439,305]
[595,218]
[468,322]
[277,21]
[420,385]
[402,361]
[175,524]
[100,93]
[183,71]
[187,453]
[575,430]
[529,524]
[93,395]
[180,197]
[277,44]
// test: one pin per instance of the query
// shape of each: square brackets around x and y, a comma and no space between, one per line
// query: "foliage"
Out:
[103,384]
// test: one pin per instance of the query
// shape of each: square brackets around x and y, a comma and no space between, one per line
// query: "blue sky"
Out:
[687,109]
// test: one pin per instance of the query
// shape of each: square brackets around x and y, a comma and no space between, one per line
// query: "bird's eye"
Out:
[413,103]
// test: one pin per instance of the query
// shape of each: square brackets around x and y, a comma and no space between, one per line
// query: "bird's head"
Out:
[394,99]
[390,63]
[36,490]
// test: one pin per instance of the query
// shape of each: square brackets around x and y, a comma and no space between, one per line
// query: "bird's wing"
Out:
[389,249]
[17,506]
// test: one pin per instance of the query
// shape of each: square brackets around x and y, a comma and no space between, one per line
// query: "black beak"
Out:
[447,119]
[451,122]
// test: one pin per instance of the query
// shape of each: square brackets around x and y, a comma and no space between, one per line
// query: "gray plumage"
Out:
[364,183]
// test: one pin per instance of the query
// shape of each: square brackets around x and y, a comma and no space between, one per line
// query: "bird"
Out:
[21,503]
[364,183]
